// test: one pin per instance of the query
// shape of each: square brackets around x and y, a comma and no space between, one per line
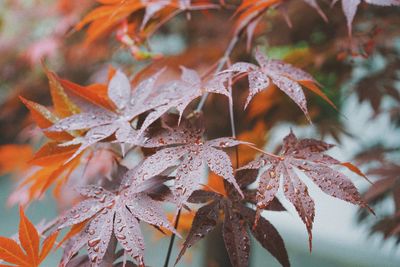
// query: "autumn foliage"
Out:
[136,139]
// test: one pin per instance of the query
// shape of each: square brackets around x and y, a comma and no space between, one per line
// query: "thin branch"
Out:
[264,152]
[171,241]
[221,64]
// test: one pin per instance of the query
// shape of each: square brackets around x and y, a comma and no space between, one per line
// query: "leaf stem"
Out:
[171,241]
[221,64]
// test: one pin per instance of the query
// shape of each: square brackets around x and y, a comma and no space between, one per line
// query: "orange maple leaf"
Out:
[26,253]
[50,157]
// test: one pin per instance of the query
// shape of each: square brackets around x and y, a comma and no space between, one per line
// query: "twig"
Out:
[221,64]
[171,241]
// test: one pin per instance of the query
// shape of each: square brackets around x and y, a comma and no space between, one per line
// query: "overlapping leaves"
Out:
[237,220]
[183,146]
[149,97]
[50,158]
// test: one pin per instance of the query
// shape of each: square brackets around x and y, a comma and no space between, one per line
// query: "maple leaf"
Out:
[350,8]
[26,253]
[237,219]
[155,6]
[386,186]
[307,156]
[50,158]
[147,97]
[184,147]
[102,123]
[63,107]
[108,15]
[274,72]
[176,94]
[250,12]
[46,167]
[111,213]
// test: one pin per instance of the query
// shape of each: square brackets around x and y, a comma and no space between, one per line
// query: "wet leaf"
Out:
[307,156]
[111,213]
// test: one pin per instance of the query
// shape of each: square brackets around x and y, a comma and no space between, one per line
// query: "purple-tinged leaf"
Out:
[201,196]
[81,212]
[267,188]
[257,83]
[190,76]
[217,85]
[95,192]
[293,90]
[195,153]
[119,90]
[308,156]
[268,236]
[160,161]
[81,121]
[219,162]
[100,231]
[116,213]
[286,77]
[125,225]
[297,193]
[188,176]
[224,142]
[236,238]
[146,209]
[73,246]
[204,222]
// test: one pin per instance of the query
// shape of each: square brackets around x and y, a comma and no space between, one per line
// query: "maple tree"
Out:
[126,144]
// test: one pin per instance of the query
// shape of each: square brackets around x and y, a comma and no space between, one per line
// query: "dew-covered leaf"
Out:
[100,231]
[119,90]
[109,213]
[284,76]
[267,235]
[193,155]
[236,238]
[125,224]
[204,221]
[307,156]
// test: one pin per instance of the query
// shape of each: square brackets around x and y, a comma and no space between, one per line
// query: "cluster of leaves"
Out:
[123,115]
[152,113]
[387,186]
